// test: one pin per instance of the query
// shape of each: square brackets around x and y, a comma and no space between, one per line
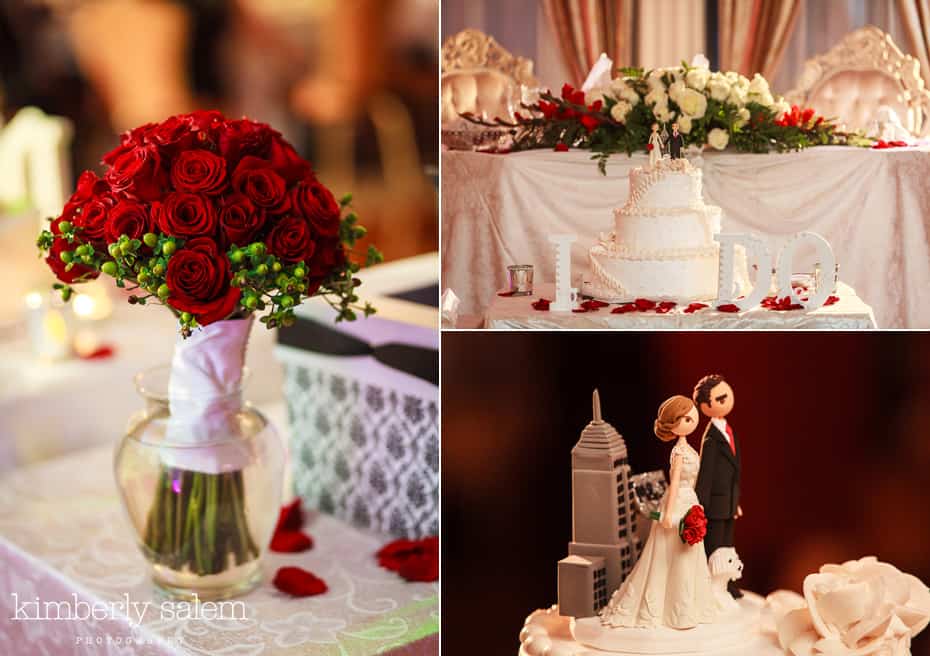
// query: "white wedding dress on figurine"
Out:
[670,584]
[655,140]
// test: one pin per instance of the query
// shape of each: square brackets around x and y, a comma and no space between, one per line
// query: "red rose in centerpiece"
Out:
[138,170]
[256,179]
[316,203]
[127,218]
[240,220]
[59,268]
[186,215]
[290,240]
[198,280]
[198,171]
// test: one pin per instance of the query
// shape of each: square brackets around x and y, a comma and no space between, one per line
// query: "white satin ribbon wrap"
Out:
[204,396]
[600,75]
[862,607]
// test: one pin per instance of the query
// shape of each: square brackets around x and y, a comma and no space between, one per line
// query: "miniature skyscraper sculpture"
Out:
[563,272]
[603,520]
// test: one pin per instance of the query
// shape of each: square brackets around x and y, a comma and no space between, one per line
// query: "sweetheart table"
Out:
[872,205]
[77,547]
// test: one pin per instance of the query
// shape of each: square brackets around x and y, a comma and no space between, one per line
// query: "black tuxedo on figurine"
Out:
[718,487]
[674,144]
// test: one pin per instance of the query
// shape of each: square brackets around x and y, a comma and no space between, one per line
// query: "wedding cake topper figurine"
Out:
[655,146]
[674,142]
[670,585]
[719,476]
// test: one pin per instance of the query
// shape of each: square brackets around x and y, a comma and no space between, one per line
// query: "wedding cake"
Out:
[662,246]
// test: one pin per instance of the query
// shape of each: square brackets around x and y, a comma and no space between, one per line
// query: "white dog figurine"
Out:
[725,566]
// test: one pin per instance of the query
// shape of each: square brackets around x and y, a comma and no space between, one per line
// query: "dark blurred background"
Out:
[836,454]
[351,83]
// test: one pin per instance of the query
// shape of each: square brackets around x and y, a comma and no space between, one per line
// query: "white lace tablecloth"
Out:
[63,538]
[517,313]
[872,205]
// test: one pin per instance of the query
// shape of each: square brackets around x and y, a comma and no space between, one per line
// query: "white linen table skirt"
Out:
[517,313]
[63,538]
[872,205]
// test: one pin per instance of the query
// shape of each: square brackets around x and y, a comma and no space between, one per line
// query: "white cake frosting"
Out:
[662,246]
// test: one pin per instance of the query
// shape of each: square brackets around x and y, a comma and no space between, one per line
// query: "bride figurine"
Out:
[655,146]
[670,584]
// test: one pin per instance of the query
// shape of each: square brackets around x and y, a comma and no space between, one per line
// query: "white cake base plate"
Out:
[740,633]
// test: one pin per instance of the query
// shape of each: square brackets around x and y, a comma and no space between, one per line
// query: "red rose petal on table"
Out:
[643,304]
[728,307]
[422,567]
[100,353]
[291,542]
[665,307]
[414,560]
[694,307]
[298,582]
[542,305]
[580,310]
[505,293]
[594,304]
[392,555]
[561,148]
[623,309]
[291,517]
[831,300]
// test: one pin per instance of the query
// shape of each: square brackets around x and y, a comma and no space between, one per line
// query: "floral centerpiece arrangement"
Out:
[217,220]
[716,109]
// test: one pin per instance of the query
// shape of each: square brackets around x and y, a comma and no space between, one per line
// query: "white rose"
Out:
[656,97]
[780,107]
[860,607]
[597,93]
[693,103]
[684,124]
[631,96]
[743,117]
[700,61]
[732,77]
[654,80]
[718,138]
[663,113]
[764,99]
[619,111]
[737,96]
[742,82]
[674,91]
[719,87]
[697,78]
[759,85]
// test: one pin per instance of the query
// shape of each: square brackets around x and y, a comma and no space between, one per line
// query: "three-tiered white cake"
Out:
[662,246]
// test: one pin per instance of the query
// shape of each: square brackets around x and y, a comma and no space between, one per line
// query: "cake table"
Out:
[517,313]
[78,548]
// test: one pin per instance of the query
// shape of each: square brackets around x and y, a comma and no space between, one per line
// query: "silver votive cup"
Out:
[521,279]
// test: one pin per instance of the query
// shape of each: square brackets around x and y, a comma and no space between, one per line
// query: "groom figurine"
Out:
[674,143]
[718,477]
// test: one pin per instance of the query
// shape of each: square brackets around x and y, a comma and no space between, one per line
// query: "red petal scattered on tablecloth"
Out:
[580,310]
[623,309]
[291,517]
[291,542]
[594,304]
[542,305]
[643,304]
[505,293]
[694,307]
[423,567]
[100,353]
[728,307]
[561,148]
[298,582]
[831,300]
[414,560]
[665,307]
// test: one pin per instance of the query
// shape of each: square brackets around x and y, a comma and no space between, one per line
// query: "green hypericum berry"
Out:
[251,302]
[143,277]
[87,259]
[186,317]
[65,294]
[257,249]
[237,257]
[286,301]
[125,247]
[163,291]
[109,268]
[65,226]
[158,269]
[113,249]
[281,281]
[168,248]
[150,239]
[300,272]
[300,287]
[345,200]
[261,269]
[276,267]
[66,256]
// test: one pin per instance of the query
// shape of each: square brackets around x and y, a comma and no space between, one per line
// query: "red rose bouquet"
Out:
[693,526]
[212,217]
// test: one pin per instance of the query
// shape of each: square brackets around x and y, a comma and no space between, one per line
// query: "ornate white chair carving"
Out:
[480,76]
[860,74]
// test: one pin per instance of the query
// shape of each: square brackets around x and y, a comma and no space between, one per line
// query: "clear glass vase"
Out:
[203,509]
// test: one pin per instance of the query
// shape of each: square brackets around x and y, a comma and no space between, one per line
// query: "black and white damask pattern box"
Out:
[363,405]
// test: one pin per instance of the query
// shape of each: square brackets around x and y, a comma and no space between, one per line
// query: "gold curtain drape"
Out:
[915,17]
[586,28]
[754,33]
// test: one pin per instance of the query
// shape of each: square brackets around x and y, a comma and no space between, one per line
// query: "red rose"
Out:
[205,120]
[88,185]
[138,171]
[240,221]
[285,160]
[290,240]
[244,137]
[198,277]
[198,171]
[173,134]
[317,204]
[649,147]
[186,215]
[91,218]
[58,267]
[127,218]
[256,179]
[328,254]
[691,536]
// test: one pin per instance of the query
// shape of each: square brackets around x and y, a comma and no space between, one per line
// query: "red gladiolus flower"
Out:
[548,109]
[298,582]
[590,122]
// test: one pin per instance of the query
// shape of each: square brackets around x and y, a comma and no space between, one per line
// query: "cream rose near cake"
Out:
[662,246]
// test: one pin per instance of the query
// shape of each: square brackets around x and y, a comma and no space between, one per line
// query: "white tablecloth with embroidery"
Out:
[872,205]
[63,539]
[517,313]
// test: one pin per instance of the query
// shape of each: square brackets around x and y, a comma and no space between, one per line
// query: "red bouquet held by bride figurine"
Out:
[693,526]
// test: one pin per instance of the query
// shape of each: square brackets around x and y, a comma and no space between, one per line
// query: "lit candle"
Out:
[48,328]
